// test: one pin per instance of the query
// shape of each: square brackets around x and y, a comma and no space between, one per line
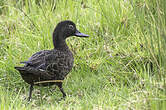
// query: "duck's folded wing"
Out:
[47,60]
[38,60]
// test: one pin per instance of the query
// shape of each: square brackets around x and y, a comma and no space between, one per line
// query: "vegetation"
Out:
[120,66]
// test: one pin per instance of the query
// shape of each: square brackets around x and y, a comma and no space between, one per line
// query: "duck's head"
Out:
[67,28]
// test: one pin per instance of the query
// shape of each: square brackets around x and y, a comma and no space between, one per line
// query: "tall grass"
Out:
[121,66]
[151,18]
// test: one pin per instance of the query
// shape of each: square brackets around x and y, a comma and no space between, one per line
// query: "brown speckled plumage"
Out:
[52,64]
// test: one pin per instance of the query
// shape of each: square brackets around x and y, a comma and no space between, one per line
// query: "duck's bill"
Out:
[79,34]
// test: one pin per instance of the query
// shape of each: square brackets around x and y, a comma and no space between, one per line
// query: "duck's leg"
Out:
[61,89]
[30,92]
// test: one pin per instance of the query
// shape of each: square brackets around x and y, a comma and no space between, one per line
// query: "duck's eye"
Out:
[71,27]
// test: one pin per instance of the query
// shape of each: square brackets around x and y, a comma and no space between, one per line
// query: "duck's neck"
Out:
[59,42]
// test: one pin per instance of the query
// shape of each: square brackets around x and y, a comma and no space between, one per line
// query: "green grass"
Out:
[120,66]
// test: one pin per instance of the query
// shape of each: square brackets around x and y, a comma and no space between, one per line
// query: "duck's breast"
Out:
[60,64]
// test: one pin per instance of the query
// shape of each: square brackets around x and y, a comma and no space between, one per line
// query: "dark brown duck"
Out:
[49,67]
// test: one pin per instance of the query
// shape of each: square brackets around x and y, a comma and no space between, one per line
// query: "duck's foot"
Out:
[30,92]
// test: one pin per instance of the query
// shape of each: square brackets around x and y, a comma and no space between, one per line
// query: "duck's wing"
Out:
[39,59]
[48,60]
[52,61]
[38,64]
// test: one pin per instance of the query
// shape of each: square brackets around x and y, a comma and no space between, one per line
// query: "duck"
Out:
[50,67]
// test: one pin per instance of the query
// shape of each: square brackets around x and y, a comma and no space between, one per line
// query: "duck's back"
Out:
[47,65]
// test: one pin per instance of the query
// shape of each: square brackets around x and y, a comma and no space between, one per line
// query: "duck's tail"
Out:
[19,68]
[26,69]
[30,70]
